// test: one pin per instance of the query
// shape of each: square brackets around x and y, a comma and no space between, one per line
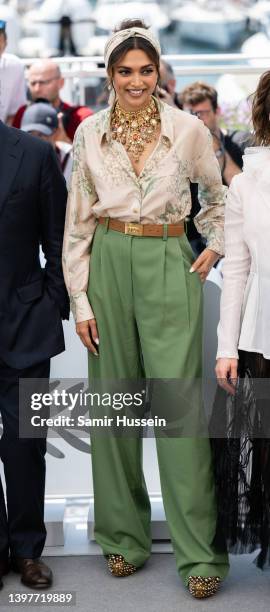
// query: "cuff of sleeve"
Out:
[227,355]
[81,308]
[214,237]
[217,246]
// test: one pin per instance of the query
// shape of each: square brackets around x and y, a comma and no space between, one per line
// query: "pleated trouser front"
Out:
[148,309]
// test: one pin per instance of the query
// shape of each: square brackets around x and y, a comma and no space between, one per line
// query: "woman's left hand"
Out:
[204,263]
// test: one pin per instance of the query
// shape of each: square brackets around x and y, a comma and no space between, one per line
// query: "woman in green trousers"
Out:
[138,308]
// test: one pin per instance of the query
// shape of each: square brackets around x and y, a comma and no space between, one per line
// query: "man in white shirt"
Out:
[12,81]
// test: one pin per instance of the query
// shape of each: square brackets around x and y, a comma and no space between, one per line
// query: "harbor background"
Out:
[214,29]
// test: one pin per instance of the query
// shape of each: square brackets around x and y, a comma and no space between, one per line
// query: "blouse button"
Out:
[135,210]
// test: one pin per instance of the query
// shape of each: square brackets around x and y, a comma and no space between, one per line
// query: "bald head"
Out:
[45,81]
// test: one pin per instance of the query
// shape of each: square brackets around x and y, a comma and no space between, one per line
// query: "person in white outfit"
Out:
[242,459]
[12,81]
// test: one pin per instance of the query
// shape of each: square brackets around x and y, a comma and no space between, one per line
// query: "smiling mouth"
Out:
[135,92]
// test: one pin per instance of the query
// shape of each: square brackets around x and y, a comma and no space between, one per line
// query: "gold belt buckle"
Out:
[134,229]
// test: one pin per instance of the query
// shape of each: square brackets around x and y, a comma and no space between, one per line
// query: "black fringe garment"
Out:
[240,440]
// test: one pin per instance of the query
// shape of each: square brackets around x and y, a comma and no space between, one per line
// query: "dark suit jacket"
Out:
[32,212]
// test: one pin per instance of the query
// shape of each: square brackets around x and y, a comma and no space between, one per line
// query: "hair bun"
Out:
[126,24]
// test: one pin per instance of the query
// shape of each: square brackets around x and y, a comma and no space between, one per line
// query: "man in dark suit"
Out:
[32,303]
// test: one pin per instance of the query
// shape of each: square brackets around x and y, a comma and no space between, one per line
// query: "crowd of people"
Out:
[120,255]
[44,83]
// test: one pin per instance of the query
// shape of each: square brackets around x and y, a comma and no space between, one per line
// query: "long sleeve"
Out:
[235,273]
[53,198]
[18,96]
[79,230]
[206,172]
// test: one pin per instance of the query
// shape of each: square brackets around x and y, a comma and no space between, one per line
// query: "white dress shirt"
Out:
[245,301]
[12,85]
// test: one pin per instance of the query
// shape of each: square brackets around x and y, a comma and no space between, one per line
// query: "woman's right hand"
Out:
[226,373]
[87,330]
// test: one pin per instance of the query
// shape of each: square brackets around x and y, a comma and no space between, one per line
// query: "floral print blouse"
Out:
[103,183]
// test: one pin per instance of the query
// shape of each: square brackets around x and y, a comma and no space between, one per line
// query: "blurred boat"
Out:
[10,16]
[22,6]
[63,27]
[109,13]
[259,14]
[96,44]
[212,23]
[258,45]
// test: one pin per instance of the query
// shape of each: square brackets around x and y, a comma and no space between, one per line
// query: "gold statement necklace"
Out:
[134,129]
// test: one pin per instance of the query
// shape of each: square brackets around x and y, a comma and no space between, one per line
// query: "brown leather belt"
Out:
[148,229]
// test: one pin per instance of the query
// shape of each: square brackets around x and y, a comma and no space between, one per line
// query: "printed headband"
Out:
[118,37]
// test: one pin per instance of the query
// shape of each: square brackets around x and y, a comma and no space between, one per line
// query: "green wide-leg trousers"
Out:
[148,308]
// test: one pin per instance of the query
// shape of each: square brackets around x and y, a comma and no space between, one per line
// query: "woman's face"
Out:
[134,79]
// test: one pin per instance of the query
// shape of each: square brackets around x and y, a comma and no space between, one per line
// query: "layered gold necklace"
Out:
[134,129]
